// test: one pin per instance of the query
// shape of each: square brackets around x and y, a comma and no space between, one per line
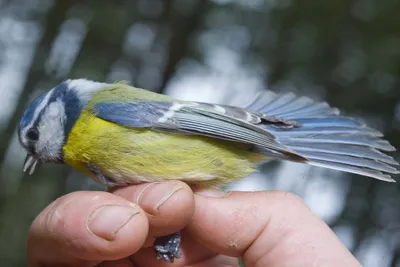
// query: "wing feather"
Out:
[228,123]
[286,126]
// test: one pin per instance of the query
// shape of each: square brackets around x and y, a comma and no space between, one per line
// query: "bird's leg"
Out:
[100,177]
[168,247]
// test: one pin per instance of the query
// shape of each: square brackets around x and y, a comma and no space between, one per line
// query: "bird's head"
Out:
[46,123]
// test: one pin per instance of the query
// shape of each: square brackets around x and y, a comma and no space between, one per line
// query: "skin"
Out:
[264,228]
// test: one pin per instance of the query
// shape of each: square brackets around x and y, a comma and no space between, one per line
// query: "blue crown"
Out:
[30,111]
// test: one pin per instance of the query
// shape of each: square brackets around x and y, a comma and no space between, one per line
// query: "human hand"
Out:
[104,229]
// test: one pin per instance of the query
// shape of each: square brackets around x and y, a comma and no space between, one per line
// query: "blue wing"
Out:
[222,122]
[294,128]
[136,114]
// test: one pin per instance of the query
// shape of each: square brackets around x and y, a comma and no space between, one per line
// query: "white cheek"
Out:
[39,108]
[51,128]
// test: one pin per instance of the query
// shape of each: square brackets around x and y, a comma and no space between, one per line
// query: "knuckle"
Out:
[54,219]
[286,198]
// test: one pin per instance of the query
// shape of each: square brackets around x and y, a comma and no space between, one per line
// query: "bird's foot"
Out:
[168,247]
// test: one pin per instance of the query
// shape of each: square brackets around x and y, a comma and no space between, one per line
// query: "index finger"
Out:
[169,205]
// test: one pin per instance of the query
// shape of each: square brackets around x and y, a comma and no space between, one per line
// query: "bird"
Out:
[121,135]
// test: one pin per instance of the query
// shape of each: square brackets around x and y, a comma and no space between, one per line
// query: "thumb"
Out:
[266,229]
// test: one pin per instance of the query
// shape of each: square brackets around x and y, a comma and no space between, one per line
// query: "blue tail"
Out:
[326,138]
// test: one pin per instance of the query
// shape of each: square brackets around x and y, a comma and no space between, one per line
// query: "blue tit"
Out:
[120,135]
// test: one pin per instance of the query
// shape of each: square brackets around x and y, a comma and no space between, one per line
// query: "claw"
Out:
[168,247]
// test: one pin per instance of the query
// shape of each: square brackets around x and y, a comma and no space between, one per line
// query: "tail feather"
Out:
[340,121]
[289,106]
[278,103]
[313,111]
[305,130]
[326,138]
[262,100]
[361,140]
[359,161]
[345,149]
[352,169]
[298,103]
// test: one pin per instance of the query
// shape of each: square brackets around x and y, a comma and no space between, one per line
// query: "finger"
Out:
[267,229]
[193,253]
[169,205]
[84,228]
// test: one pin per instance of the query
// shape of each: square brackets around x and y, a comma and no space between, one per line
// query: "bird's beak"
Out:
[31,163]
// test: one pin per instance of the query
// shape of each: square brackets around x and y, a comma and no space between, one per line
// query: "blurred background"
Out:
[224,51]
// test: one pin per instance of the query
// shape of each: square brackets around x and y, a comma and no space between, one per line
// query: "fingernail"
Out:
[212,193]
[106,221]
[154,195]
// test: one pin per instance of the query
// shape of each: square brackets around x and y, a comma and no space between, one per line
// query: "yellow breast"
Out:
[142,155]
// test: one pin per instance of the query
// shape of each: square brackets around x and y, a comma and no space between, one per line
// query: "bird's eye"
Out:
[33,134]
